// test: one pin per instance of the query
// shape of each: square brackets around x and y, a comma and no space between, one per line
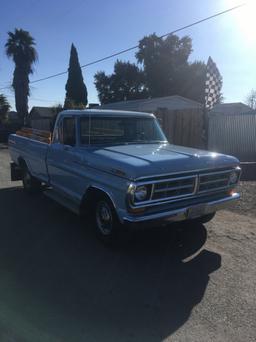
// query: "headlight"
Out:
[233,178]
[141,193]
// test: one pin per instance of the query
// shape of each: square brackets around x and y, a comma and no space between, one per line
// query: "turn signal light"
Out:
[232,192]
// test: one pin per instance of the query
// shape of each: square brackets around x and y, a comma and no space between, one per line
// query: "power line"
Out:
[36,99]
[136,46]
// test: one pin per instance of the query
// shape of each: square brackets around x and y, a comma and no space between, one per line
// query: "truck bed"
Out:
[31,146]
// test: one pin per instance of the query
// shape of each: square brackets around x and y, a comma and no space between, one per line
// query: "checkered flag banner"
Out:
[213,84]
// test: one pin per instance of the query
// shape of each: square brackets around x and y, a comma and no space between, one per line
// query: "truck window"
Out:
[69,131]
[84,127]
[108,130]
[57,133]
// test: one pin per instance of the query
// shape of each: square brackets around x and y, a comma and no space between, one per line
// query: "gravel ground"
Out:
[183,283]
[247,204]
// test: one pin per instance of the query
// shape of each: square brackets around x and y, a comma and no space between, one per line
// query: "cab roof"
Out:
[105,112]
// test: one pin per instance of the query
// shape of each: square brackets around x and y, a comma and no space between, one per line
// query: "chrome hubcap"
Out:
[104,218]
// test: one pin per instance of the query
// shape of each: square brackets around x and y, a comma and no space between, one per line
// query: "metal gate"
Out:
[233,134]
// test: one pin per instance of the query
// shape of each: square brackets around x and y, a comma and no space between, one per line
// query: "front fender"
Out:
[116,195]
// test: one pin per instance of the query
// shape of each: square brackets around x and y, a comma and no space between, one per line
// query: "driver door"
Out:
[61,160]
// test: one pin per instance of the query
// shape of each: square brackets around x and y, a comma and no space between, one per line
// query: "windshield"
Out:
[120,130]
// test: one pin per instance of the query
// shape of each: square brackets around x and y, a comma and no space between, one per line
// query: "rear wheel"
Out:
[30,183]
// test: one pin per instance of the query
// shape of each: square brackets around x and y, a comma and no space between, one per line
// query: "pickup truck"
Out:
[119,167]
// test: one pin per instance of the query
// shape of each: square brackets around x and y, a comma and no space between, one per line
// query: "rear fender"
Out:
[22,163]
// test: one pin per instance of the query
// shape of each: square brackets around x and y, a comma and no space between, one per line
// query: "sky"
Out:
[100,28]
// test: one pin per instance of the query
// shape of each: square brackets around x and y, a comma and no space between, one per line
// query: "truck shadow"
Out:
[63,285]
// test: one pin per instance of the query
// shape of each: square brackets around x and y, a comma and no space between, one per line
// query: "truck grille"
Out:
[214,181]
[173,188]
[182,187]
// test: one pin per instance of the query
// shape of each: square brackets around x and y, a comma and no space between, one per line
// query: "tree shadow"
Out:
[59,280]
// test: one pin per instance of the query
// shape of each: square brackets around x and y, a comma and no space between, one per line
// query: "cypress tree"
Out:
[76,92]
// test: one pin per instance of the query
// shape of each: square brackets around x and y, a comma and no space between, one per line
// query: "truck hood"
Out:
[144,160]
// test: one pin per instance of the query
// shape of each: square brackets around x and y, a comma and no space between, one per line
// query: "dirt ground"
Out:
[247,204]
[180,283]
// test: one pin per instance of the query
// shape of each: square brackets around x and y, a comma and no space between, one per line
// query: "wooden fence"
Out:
[182,127]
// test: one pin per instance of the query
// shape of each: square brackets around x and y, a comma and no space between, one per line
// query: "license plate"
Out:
[196,211]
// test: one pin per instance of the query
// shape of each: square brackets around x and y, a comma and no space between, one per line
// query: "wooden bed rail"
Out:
[35,134]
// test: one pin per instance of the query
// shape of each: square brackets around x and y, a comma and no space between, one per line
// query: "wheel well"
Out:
[90,197]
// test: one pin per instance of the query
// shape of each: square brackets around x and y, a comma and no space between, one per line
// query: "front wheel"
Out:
[205,218]
[30,183]
[106,221]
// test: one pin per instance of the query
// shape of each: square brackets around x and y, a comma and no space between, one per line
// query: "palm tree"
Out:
[20,47]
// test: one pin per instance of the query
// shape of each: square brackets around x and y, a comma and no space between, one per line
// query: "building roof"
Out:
[42,112]
[174,102]
[12,114]
[231,108]
[251,112]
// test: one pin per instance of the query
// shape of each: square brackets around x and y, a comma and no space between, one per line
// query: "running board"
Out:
[62,201]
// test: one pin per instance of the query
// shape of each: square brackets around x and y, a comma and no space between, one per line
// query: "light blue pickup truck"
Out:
[119,167]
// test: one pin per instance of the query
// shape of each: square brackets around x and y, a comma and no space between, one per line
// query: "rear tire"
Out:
[30,183]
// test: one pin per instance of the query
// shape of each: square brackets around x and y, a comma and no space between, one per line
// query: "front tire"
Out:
[106,221]
[205,218]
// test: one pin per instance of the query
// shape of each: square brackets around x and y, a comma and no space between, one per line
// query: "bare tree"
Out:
[251,99]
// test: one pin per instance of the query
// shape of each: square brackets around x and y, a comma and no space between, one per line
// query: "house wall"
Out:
[234,135]
[42,124]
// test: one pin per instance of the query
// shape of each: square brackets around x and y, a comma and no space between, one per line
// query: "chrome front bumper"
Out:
[182,213]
